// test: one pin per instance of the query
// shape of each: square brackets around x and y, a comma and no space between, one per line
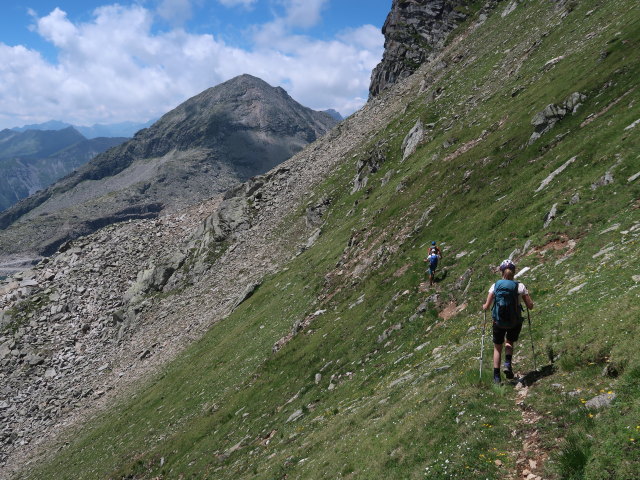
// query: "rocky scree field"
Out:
[331,360]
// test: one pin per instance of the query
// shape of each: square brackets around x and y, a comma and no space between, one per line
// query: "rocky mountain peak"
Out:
[414,31]
[214,140]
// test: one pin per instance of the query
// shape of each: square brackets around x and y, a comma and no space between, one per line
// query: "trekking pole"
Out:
[484,324]
[533,350]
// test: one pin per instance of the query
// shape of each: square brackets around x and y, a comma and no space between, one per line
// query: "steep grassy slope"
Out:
[398,394]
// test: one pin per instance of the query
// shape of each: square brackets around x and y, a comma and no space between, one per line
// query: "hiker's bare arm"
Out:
[527,301]
[488,302]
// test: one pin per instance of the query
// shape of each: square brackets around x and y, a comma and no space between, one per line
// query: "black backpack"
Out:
[506,309]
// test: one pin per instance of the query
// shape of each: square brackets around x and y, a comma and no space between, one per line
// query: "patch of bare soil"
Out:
[451,310]
[562,243]
[402,270]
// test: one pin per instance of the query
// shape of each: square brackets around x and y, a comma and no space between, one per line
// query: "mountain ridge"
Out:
[122,129]
[34,159]
[224,135]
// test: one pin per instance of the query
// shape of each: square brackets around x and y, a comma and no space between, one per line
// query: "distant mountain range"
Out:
[123,129]
[223,136]
[34,159]
[334,113]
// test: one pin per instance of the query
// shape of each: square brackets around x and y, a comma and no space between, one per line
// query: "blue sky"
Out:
[88,61]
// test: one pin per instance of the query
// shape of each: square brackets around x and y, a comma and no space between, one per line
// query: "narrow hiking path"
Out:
[531,458]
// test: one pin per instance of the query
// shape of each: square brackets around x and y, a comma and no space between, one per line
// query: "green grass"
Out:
[411,405]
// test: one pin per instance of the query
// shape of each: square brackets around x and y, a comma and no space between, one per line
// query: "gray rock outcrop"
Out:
[368,166]
[412,140]
[414,31]
[546,119]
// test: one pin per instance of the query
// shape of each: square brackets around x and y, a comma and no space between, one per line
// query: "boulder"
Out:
[600,401]
[33,359]
[412,140]
[546,119]
[4,350]
[248,291]
[548,218]
[315,213]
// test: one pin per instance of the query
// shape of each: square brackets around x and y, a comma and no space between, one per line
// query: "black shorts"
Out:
[512,334]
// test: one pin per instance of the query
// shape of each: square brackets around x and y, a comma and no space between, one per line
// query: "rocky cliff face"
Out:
[218,138]
[415,30]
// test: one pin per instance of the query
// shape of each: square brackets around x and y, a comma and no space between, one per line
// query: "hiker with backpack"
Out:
[434,256]
[506,294]
[435,249]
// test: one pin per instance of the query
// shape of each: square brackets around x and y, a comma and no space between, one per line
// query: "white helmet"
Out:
[507,264]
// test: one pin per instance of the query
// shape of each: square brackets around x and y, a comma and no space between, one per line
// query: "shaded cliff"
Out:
[414,31]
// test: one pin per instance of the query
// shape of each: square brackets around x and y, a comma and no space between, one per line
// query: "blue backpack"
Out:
[506,309]
[433,261]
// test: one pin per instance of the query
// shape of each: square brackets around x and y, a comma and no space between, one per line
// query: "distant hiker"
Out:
[507,316]
[434,256]
[435,249]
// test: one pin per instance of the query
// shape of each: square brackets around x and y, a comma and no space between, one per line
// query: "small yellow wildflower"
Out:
[591,415]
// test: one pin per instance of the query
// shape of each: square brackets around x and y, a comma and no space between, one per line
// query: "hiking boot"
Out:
[496,379]
[508,372]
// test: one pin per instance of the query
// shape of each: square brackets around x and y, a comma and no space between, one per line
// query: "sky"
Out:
[98,61]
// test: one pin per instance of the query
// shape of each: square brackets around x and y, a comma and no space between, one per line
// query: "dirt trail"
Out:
[531,459]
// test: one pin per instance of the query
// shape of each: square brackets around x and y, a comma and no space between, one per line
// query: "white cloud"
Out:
[56,28]
[303,13]
[176,12]
[237,3]
[367,37]
[297,14]
[115,68]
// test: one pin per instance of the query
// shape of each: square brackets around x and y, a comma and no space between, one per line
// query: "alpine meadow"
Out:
[286,329]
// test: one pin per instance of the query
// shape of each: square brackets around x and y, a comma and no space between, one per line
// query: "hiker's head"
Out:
[508,269]
[433,243]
